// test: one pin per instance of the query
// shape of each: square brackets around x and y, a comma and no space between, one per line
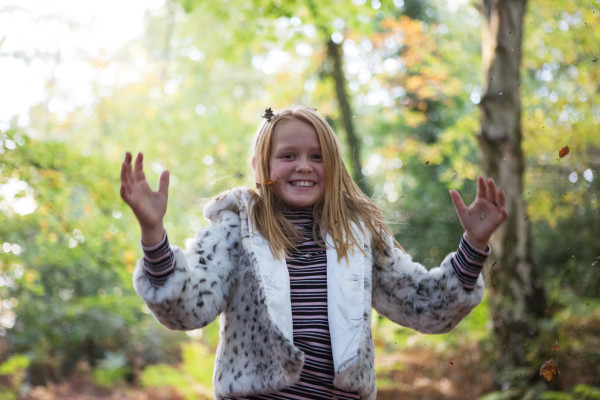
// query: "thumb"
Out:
[163,183]
[458,202]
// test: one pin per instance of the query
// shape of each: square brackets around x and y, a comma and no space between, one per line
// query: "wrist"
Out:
[152,236]
[478,244]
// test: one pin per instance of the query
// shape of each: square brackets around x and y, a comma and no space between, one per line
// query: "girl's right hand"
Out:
[148,206]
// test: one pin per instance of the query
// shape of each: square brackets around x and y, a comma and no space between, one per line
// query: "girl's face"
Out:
[297,165]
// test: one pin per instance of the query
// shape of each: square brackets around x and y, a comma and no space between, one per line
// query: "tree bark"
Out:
[516,294]
[334,53]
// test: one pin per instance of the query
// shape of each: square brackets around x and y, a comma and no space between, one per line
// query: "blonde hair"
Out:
[343,203]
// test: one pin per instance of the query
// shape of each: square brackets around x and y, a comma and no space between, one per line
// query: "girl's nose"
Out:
[303,166]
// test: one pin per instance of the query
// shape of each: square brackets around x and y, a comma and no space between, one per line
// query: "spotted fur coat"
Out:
[229,271]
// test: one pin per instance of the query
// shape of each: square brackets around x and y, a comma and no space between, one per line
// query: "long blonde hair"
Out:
[343,203]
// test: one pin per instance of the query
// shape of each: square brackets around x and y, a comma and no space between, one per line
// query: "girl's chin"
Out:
[298,204]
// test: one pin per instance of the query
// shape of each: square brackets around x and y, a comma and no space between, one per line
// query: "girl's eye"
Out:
[317,157]
[287,156]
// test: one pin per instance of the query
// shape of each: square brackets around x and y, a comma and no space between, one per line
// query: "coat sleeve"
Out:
[196,291]
[429,301]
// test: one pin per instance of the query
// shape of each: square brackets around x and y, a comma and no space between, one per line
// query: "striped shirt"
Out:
[307,267]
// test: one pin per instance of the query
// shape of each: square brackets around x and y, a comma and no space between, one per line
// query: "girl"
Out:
[295,267]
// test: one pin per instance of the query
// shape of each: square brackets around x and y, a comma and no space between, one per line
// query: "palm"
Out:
[148,206]
[485,214]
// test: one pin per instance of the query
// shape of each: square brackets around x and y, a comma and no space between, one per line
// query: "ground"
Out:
[412,374]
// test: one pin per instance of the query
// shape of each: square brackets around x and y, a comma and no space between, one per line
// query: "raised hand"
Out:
[148,206]
[484,215]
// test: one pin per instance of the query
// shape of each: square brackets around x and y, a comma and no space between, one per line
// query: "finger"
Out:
[126,176]
[458,202]
[493,191]
[481,188]
[163,183]
[501,198]
[138,169]
[124,193]
[124,172]
[126,167]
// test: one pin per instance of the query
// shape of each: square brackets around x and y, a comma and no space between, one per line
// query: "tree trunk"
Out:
[516,295]
[334,53]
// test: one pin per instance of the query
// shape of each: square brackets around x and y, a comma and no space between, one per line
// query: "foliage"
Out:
[579,392]
[111,370]
[67,260]
[201,81]
[193,378]
[560,105]
[14,368]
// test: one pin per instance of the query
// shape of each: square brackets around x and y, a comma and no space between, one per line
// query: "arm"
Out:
[195,291]
[183,290]
[436,301]
[433,301]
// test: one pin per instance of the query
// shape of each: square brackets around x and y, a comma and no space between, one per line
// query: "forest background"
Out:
[402,83]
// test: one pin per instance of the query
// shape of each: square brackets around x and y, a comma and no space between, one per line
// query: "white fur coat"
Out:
[229,272]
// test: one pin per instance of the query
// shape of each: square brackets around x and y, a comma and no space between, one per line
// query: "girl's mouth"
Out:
[302,183]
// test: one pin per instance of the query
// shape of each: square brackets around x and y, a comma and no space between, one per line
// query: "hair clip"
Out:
[268,114]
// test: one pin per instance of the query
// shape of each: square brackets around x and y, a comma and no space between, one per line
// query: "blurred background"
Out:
[425,95]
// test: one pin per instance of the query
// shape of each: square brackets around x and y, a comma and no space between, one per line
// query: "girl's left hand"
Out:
[484,215]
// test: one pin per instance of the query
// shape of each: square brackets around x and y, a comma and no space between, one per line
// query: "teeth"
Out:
[302,183]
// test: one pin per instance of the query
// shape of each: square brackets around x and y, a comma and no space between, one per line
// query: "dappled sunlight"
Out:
[17,196]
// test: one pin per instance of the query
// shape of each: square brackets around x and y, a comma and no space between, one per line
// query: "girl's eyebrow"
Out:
[288,147]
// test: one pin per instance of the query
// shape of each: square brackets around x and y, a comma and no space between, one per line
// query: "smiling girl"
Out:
[295,267]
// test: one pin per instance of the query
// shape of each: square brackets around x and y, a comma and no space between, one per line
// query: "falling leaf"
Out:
[426,162]
[270,181]
[555,346]
[563,152]
[549,370]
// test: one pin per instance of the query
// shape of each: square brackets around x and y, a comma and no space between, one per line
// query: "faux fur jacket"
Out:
[229,271]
